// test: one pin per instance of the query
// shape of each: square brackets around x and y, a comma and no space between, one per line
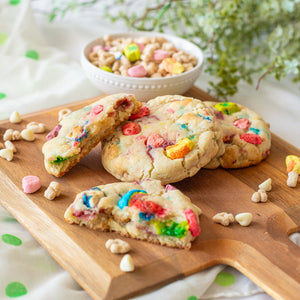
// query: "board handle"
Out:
[271,260]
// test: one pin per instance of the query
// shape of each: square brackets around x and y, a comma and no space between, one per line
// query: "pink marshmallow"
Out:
[107,48]
[159,55]
[242,123]
[155,140]
[137,71]
[53,133]
[170,187]
[97,48]
[170,110]
[193,223]
[141,47]
[31,184]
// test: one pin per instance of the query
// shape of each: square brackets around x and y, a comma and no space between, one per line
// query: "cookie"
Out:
[78,133]
[246,136]
[145,211]
[169,139]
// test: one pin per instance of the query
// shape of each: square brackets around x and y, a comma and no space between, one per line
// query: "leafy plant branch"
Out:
[243,40]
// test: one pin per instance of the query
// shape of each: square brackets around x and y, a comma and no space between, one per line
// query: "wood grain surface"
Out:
[261,251]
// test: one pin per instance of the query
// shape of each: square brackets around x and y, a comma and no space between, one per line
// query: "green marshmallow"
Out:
[171,228]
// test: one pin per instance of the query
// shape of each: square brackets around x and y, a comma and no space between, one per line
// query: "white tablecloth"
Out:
[39,68]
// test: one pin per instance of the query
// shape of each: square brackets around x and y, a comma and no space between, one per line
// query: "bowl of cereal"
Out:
[147,64]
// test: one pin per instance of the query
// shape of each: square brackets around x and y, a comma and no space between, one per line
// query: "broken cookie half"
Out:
[146,211]
[78,133]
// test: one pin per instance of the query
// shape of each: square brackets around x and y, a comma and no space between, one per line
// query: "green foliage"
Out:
[241,39]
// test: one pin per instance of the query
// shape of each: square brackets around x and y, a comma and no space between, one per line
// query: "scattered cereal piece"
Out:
[36,127]
[117,246]
[293,169]
[28,135]
[292,163]
[137,71]
[11,146]
[131,128]
[180,149]
[223,218]
[53,190]
[7,154]
[127,264]
[292,179]
[260,196]
[63,113]
[244,219]
[11,135]
[31,184]
[15,117]
[266,185]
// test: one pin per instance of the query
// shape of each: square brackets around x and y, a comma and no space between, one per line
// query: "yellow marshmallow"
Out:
[292,164]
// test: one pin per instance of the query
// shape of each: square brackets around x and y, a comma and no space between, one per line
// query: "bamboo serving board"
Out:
[261,251]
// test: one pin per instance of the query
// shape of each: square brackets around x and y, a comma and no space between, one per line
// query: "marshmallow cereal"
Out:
[141,57]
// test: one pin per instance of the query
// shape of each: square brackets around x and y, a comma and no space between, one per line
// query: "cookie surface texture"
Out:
[172,142]
[145,211]
[79,132]
[246,136]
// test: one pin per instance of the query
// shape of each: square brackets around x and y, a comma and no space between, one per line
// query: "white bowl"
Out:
[143,88]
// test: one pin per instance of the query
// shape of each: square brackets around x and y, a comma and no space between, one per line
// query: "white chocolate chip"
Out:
[223,218]
[28,135]
[244,219]
[10,145]
[117,246]
[266,185]
[7,154]
[127,264]
[292,179]
[36,127]
[63,113]
[15,117]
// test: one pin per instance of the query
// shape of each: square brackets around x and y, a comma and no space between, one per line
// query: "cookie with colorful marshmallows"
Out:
[145,211]
[169,139]
[246,136]
[78,133]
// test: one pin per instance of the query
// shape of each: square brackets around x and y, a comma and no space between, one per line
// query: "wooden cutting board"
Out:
[261,251]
